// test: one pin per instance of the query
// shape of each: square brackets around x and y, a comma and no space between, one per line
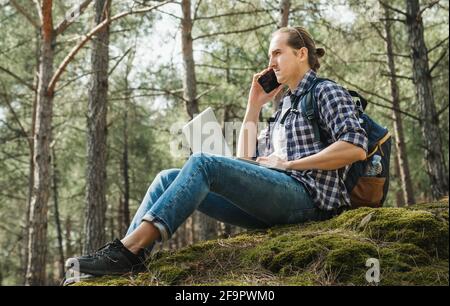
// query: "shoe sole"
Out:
[73,265]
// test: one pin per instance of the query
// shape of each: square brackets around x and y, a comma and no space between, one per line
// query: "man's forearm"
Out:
[335,156]
[248,133]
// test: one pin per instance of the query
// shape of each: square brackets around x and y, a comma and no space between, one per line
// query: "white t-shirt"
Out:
[279,140]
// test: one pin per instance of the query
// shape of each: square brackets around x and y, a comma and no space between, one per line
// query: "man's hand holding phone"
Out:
[258,96]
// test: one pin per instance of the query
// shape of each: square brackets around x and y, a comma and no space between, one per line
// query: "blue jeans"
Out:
[228,190]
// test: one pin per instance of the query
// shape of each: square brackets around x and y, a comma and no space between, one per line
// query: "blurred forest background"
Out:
[89,91]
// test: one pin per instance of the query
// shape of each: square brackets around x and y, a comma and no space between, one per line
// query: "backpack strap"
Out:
[310,109]
[295,99]
[291,109]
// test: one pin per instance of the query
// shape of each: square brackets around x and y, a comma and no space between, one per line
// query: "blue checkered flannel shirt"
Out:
[338,119]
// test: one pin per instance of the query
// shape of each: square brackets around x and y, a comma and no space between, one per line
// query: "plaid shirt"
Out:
[338,119]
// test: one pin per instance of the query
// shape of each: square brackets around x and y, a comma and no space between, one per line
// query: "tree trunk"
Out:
[124,209]
[31,166]
[56,212]
[124,204]
[188,233]
[180,235]
[126,178]
[68,235]
[285,6]
[225,228]
[194,228]
[112,233]
[95,214]
[424,93]
[399,199]
[184,241]
[37,240]
[189,80]
[402,158]
[207,228]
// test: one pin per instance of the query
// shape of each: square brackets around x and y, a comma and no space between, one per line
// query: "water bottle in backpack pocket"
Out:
[374,167]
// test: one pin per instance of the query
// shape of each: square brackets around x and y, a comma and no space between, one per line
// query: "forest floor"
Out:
[411,245]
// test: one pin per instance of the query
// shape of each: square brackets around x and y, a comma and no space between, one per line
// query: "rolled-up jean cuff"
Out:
[164,233]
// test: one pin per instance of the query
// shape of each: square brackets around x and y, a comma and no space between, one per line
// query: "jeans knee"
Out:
[199,158]
[167,176]
[208,164]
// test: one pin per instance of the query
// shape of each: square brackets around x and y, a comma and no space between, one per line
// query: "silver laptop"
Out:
[204,134]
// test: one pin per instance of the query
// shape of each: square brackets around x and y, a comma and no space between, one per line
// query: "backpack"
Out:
[367,181]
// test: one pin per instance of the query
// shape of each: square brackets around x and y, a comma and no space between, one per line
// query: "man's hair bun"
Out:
[320,52]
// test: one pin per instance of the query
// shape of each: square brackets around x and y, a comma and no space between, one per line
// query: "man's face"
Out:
[283,59]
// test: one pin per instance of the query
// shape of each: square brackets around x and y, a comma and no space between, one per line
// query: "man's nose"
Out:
[271,63]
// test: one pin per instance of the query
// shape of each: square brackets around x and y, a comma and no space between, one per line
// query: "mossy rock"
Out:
[434,274]
[411,245]
[426,228]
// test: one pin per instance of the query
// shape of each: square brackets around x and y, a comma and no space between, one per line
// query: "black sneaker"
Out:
[112,259]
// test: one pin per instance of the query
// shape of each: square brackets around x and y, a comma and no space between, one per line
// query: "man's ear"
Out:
[303,54]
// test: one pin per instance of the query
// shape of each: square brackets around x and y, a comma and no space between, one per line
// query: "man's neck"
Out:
[296,80]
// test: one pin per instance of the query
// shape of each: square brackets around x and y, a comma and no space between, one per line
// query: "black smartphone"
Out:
[268,81]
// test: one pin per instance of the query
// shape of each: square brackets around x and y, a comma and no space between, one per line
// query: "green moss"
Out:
[172,274]
[419,227]
[435,274]
[303,278]
[232,283]
[106,281]
[411,245]
[438,209]
[403,256]
[349,259]
[284,251]
[334,256]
